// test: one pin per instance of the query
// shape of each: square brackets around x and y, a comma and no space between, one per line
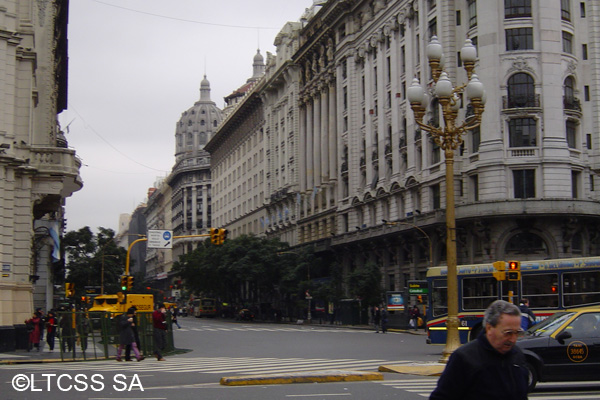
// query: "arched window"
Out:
[521,91]
[570,102]
[525,244]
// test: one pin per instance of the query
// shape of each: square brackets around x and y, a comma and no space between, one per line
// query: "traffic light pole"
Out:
[146,239]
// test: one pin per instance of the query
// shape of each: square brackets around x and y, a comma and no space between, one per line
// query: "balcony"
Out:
[58,161]
[521,101]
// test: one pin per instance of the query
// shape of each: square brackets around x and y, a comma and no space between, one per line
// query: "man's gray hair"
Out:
[496,309]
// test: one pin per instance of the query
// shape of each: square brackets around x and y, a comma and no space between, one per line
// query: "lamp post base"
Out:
[452,339]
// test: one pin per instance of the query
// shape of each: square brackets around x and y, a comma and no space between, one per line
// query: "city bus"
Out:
[550,285]
[205,308]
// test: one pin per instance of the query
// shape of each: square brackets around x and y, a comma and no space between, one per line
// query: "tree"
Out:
[365,283]
[86,255]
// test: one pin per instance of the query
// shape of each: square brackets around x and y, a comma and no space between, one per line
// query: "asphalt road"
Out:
[219,349]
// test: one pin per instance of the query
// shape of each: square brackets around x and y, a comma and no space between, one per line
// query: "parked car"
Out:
[564,347]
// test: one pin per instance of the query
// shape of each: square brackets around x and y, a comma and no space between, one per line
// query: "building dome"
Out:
[197,125]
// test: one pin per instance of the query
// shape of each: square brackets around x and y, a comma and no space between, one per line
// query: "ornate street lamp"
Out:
[449,137]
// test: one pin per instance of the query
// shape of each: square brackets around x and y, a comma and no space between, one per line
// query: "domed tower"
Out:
[190,179]
[196,126]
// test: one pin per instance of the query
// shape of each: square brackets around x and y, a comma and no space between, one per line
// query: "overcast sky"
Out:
[134,67]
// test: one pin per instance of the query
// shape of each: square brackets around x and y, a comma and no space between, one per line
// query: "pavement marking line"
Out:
[566,397]
[301,377]
[318,395]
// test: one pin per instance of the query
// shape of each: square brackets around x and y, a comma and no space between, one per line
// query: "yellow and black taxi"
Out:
[564,347]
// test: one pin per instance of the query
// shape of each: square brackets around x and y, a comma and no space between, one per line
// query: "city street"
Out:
[224,349]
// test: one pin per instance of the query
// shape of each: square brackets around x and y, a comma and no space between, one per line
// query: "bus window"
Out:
[581,288]
[439,297]
[541,290]
[478,293]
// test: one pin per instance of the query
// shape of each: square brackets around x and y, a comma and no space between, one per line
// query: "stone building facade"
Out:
[525,183]
[37,169]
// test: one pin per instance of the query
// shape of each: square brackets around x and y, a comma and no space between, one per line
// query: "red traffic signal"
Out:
[514,271]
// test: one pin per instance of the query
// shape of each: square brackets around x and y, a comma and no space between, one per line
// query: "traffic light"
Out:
[214,235]
[500,272]
[69,289]
[123,282]
[514,271]
[129,283]
[222,235]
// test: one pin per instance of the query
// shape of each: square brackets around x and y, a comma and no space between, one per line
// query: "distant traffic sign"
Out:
[159,239]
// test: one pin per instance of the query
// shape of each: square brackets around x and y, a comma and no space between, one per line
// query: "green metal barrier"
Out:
[95,335]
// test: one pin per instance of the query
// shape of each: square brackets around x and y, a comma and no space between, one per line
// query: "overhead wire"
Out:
[182,19]
[91,128]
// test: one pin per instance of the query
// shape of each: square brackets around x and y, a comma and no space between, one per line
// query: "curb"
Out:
[429,369]
[302,377]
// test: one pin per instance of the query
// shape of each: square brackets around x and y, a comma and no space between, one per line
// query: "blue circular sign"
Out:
[167,235]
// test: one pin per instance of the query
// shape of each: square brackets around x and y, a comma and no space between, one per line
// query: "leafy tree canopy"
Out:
[89,257]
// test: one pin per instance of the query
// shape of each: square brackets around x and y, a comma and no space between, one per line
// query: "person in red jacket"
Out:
[34,331]
[160,331]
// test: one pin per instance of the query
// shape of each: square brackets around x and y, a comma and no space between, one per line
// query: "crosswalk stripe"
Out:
[220,365]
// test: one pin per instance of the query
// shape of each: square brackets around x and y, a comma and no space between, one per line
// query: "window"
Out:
[435,197]
[458,18]
[472,4]
[588,141]
[522,132]
[565,10]
[582,9]
[435,152]
[571,128]
[519,39]
[521,91]
[432,28]
[575,177]
[584,51]
[517,8]
[567,42]
[586,93]
[581,288]
[475,140]
[540,289]
[474,187]
[569,94]
[524,183]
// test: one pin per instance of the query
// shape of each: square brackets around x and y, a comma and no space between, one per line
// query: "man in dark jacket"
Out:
[490,367]
[160,331]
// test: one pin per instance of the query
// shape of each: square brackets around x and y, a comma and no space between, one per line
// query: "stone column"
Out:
[317,140]
[302,148]
[325,172]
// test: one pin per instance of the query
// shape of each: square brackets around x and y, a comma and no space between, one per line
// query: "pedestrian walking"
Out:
[67,336]
[160,331]
[384,320]
[126,336]
[34,331]
[527,316]
[490,367]
[136,335]
[376,318]
[51,329]
[174,315]
[414,314]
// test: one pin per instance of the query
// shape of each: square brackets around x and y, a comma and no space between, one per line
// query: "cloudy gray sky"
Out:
[134,67]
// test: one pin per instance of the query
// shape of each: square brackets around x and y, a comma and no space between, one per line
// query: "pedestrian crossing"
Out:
[544,391]
[218,365]
[254,328]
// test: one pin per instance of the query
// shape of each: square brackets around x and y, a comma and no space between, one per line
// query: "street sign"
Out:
[417,287]
[160,239]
